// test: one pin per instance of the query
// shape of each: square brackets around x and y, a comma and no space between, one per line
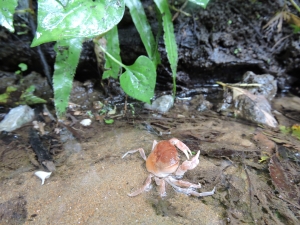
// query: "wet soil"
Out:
[91,186]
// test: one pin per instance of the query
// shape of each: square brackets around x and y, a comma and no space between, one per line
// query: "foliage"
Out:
[4,98]
[263,158]
[294,130]
[60,20]
[109,121]
[67,57]
[69,22]
[7,10]
[169,38]
[141,23]
[111,68]
[139,79]
[26,98]
[23,67]
[202,3]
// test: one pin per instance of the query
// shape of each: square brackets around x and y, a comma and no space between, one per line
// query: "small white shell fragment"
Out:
[42,175]
[86,122]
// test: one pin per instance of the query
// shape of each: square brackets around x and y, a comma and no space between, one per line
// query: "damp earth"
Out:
[90,185]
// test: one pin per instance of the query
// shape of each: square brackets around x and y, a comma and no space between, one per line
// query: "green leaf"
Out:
[7,10]
[141,23]
[202,3]
[67,58]
[263,158]
[296,29]
[58,20]
[138,81]
[4,98]
[169,38]
[12,95]
[23,66]
[284,130]
[29,99]
[109,121]
[112,69]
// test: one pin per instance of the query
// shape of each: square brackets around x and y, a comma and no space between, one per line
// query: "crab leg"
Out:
[142,152]
[145,187]
[161,186]
[190,191]
[188,165]
[179,144]
[182,183]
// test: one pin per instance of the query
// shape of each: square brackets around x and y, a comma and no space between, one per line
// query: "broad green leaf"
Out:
[67,58]
[7,10]
[63,2]
[141,23]
[112,69]
[202,3]
[138,81]
[76,19]
[169,37]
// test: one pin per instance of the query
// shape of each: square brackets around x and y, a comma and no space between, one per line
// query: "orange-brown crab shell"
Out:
[163,160]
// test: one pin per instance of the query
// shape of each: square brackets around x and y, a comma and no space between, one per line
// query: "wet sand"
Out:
[91,188]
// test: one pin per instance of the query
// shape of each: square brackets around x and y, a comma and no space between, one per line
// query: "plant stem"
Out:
[110,56]
[295,5]
[32,25]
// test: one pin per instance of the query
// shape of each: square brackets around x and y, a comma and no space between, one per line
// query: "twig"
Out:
[280,40]
[295,5]
[180,11]
[74,120]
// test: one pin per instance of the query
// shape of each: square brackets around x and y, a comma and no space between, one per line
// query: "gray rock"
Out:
[268,86]
[204,104]
[16,118]
[161,104]
[255,108]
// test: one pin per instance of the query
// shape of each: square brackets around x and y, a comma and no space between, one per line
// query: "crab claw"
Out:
[179,144]
[188,165]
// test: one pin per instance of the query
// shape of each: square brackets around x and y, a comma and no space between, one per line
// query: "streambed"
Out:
[91,186]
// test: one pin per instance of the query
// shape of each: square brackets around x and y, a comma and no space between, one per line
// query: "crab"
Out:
[163,164]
